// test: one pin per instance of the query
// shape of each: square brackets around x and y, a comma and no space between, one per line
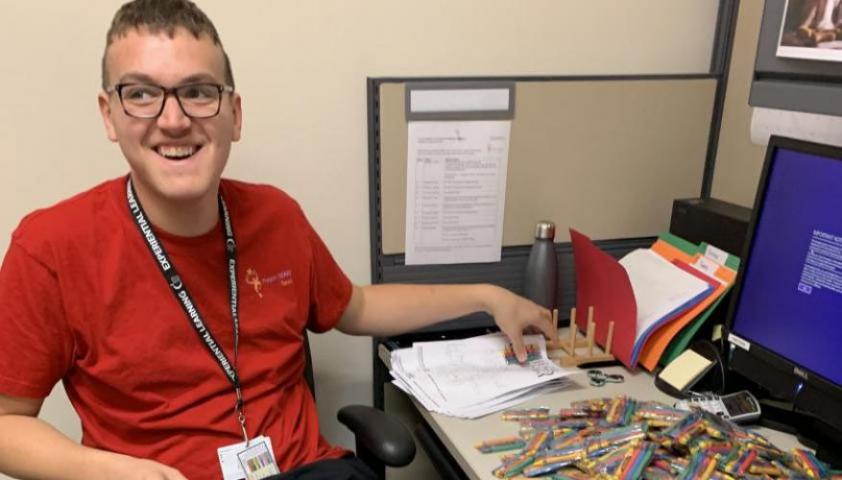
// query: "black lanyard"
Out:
[186,300]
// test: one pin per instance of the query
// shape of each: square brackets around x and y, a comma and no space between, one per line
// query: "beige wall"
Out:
[301,68]
[738,161]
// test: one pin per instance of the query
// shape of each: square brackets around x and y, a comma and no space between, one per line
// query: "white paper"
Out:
[659,287]
[812,127]
[716,254]
[455,191]
[708,267]
[471,378]
[459,100]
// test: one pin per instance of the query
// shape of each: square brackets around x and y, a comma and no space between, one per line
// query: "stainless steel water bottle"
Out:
[541,281]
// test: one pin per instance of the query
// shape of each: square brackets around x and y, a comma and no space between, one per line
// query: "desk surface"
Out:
[460,435]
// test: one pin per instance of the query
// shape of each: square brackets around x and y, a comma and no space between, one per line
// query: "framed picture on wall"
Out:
[812,29]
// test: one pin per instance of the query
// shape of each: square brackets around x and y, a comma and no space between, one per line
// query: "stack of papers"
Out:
[472,377]
[662,291]
[719,267]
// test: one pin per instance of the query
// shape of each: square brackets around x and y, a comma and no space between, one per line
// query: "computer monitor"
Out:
[785,317]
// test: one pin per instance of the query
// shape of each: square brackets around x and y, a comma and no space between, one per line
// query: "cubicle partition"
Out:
[605,155]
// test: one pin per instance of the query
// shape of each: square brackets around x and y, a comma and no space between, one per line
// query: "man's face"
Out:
[173,158]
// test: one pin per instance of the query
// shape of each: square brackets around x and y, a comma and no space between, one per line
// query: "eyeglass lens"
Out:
[146,101]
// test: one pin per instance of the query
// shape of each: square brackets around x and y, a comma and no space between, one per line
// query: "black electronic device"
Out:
[739,407]
[717,222]
[784,325]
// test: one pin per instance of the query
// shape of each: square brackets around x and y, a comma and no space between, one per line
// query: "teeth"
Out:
[179,151]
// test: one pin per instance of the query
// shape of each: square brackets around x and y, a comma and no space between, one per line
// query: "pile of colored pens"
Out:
[621,438]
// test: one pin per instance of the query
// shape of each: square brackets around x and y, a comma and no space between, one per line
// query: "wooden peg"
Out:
[555,326]
[567,356]
[610,338]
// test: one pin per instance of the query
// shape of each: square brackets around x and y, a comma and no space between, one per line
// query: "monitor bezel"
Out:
[744,360]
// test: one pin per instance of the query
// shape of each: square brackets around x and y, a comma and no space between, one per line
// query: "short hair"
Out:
[163,16]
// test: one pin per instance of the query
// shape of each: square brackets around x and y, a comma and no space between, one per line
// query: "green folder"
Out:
[679,243]
[682,340]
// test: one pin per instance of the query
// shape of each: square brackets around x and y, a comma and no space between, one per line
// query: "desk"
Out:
[459,435]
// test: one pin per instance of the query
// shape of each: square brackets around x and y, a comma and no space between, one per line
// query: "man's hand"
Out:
[514,314]
[124,467]
[393,309]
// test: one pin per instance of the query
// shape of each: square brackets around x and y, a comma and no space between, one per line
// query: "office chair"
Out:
[381,440]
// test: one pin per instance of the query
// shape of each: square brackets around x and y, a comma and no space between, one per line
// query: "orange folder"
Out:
[660,339]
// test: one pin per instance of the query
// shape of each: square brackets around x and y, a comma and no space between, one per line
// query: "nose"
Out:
[172,117]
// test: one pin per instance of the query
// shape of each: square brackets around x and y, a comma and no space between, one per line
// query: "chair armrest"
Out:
[381,435]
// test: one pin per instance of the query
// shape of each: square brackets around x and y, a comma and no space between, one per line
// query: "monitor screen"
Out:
[789,301]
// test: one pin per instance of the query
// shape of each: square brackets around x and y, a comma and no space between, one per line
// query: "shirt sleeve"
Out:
[36,346]
[330,288]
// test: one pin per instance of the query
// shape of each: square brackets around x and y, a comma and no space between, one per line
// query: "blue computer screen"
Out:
[791,296]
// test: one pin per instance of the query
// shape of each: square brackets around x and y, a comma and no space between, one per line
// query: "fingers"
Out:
[518,314]
[516,337]
[548,326]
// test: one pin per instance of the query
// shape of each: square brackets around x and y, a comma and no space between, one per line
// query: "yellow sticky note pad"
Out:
[685,370]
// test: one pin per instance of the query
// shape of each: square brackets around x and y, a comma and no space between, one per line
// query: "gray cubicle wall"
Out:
[792,83]
[604,155]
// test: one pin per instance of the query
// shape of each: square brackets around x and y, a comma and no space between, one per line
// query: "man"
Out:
[139,294]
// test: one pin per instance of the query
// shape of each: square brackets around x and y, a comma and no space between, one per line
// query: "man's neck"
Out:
[189,218]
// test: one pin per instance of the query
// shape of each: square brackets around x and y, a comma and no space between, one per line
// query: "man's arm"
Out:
[32,449]
[391,309]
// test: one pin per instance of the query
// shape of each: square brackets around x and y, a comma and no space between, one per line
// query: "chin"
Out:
[187,193]
[180,190]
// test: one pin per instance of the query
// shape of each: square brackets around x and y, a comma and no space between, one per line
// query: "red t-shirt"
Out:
[82,301]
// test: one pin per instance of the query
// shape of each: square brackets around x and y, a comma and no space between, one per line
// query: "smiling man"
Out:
[173,303]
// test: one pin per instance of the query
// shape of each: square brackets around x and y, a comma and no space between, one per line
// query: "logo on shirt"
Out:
[253,279]
[283,278]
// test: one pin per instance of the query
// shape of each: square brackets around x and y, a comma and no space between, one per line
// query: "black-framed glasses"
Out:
[196,100]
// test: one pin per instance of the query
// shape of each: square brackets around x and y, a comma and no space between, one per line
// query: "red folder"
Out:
[601,282]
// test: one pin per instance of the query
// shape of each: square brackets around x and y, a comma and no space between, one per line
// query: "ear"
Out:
[236,105]
[104,101]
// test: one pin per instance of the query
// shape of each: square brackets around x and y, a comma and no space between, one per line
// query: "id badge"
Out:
[248,462]
[257,462]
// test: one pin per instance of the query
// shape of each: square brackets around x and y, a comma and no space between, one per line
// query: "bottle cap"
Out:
[545,229]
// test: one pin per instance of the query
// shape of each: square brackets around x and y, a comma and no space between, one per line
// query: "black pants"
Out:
[348,468]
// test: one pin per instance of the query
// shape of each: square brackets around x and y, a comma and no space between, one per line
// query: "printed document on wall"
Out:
[456,191]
